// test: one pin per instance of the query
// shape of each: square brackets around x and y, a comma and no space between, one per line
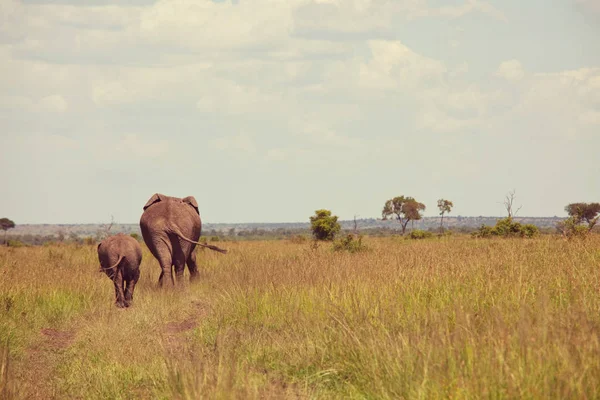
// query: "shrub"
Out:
[505,227]
[324,225]
[572,229]
[530,230]
[350,243]
[15,243]
[483,231]
[419,234]
[135,236]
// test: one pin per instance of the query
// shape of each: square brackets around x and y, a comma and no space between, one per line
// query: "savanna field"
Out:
[451,317]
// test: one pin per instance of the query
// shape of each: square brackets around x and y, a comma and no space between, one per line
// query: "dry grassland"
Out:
[445,318]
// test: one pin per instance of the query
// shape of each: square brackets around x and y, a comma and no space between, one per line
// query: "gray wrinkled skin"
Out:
[120,257]
[164,222]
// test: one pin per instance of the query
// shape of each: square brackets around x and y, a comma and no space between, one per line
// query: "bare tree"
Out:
[104,231]
[509,201]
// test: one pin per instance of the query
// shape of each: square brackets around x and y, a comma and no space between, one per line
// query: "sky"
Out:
[267,110]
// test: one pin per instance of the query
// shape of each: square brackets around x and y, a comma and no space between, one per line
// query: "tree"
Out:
[404,209]
[445,206]
[508,204]
[324,225]
[584,212]
[5,225]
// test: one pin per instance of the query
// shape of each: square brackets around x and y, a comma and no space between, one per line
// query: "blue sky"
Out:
[267,110]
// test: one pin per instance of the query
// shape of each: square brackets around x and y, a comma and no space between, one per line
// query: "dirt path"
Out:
[41,361]
[173,331]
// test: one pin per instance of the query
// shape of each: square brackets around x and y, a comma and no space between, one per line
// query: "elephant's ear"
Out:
[192,202]
[155,198]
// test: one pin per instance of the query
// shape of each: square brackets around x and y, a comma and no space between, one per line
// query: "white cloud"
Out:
[242,142]
[344,17]
[589,5]
[205,24]
[226,97]
[468,7]
[322,136]
[460,69]
[137,146]
[277,154]
[16,103]
[45,142]
[590,117]
[453,108]
[394,66]
[137,84]
[560,105]
[511,70]
[54,103]
[371,19]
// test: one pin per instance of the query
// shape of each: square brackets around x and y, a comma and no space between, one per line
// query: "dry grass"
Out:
[442,318]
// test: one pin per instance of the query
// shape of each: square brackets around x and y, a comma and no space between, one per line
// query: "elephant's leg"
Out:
[179,262]
[118,282]
[179,269]
[192,266]
[161,249]
[131,287]
[166,265]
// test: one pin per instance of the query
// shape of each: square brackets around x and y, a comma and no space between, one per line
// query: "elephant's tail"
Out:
[117,263]
[215,248]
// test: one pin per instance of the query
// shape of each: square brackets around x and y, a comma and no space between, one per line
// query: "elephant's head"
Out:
[157,197]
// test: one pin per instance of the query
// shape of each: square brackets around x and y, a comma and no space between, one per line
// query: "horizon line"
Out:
[288,222]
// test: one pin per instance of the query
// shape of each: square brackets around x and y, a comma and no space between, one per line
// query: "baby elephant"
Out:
[120,257]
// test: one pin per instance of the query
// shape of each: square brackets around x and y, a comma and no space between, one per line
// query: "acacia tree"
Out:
[584,212]
[5,225]
[324,225]
[404,209]
[445,206]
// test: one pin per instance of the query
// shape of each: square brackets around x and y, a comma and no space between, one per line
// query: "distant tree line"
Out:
[324,226]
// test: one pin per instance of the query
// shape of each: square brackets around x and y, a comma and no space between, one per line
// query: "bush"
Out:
[530,230]
[507,228]
[15,243]
[324,225]
[419,234]
[484,231]
[135,236]
[350,243]
[572,229]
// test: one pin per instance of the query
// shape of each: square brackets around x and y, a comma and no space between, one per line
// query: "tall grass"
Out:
[440,318]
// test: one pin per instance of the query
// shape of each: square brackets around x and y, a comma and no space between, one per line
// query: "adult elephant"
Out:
[171,228]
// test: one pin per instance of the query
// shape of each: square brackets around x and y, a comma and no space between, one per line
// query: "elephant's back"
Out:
[123,245]
[169,213]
